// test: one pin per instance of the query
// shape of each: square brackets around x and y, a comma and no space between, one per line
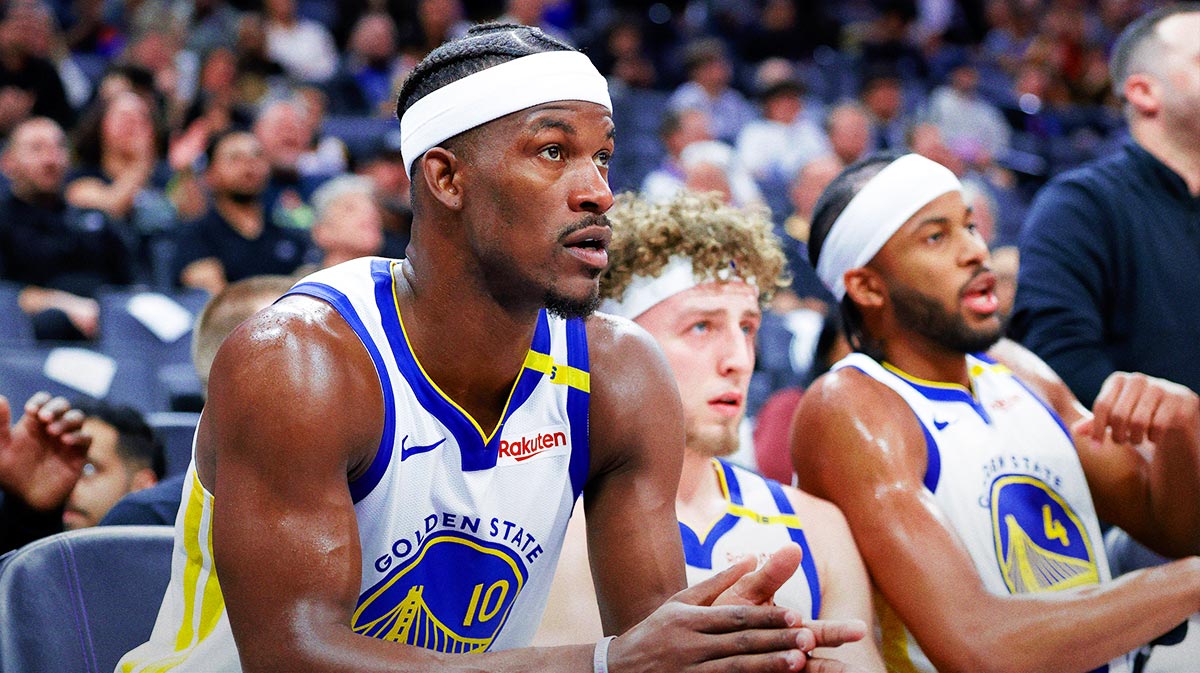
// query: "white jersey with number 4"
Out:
[1004,471]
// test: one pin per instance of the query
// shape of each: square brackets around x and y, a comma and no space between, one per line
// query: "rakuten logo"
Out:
[527,447]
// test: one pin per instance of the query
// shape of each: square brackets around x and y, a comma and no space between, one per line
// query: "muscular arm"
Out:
[295,409]
[845,588]
[863,449]
[636,553]
[1144,474]
[276,444]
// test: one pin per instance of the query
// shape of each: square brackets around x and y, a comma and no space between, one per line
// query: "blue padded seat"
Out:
[79,600]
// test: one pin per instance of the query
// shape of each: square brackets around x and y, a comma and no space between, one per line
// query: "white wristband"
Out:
[600,656]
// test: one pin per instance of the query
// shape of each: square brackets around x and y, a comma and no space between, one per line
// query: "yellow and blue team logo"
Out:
[452,596]
[1041,545]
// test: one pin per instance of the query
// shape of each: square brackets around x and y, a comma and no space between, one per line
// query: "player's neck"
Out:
[699,500]
[1181,157]
[469,347]
[924,360]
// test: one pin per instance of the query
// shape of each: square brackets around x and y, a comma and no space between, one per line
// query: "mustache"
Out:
[589,220]
[984,268]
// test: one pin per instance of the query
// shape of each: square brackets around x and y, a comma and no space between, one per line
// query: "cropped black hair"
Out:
[830,205]
[484,46]
[136,442]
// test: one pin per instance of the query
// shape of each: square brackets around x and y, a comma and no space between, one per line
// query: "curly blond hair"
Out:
[715,236]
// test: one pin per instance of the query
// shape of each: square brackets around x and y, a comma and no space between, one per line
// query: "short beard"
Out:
[928,318]
[569,308]
[724,444]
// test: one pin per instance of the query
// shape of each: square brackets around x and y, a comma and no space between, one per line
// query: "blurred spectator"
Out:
[1012,27]
[882,97]
[304,48]
[783,31]
[285,131]
[367,77]
[849,131]
[532,13]
[887,42]
[120,171]
[679,128]
[623,54]
[384,167]
[29,84]
[259,74]
[46,41]
[125,456]
[159,504]
[1109,256]
[234,239]
[435,22]
[91,32]
[348,222]
[973,128]
[219,98]
[60,253]
[1005,264]
[41,458]
[776,146]
[803,193]
[211,24]
[713,166]
[708,89]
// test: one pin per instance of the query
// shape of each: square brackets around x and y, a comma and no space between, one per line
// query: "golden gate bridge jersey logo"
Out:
[452,596]
[1041,545]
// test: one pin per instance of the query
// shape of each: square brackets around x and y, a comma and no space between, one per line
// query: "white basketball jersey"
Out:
[1004,471]
[759,519]
[460,528]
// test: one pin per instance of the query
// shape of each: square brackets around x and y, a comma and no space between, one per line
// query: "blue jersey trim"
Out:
[933,459]
[699,554]
[731,482]
[527,381]
[807,562]
[578,406]
[367,481]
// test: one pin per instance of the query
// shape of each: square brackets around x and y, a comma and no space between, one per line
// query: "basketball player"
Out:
[695,272]
[971,477]
[392,451]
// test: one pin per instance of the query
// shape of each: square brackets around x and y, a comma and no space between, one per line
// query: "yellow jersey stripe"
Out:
[894,637]
[789,520]
[213,603]
[559,373]
[191,573]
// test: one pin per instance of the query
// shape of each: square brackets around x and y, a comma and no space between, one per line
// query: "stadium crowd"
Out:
[159,152]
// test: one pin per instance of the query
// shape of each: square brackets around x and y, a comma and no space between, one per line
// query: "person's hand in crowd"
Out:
[187,147]
[43,454]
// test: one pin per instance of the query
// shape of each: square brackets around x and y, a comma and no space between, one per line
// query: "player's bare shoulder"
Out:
[848,423]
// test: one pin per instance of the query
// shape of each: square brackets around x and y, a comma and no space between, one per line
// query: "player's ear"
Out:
[439,169]
[865,287]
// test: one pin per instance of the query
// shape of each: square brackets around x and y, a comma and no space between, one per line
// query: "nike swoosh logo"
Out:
[406,453]
[940,425]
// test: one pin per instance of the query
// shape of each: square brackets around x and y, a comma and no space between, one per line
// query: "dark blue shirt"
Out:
[1110,273]
[277,250]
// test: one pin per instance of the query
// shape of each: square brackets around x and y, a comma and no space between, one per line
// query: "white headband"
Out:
[877,212]
[497,91]
[645,292]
